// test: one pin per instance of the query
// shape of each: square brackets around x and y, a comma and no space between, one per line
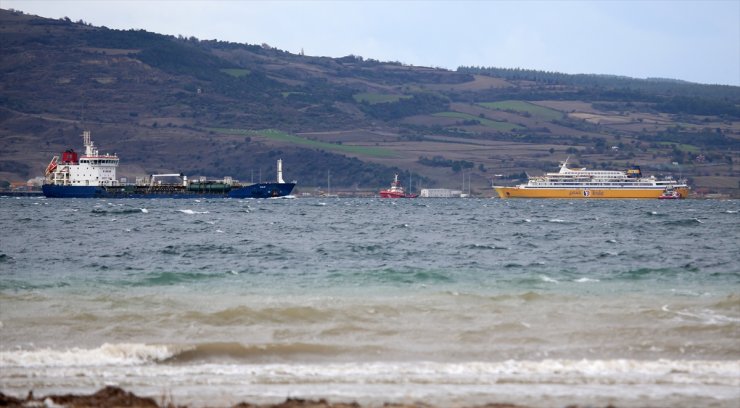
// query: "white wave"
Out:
[144,210]
[550,371]
[556,220]
[585,280]
[664,383]
[548,279]
[193,212]
[122,354]
[709,317]
[620,371]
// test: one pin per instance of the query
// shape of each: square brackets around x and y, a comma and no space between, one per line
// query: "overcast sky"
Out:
[696,41]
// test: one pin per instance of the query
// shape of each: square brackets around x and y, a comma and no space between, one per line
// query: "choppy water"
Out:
[454,302]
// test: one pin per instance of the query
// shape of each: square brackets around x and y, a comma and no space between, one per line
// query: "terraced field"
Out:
[496,125]
[280,136]
[525,107]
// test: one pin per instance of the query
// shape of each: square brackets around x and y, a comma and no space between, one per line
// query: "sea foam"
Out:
[193,212]
[125,354]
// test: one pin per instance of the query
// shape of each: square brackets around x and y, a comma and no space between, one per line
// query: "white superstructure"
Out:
[583,178]
[92,169]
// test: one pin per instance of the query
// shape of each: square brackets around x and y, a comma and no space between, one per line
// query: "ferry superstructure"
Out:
[94,175]
[582,183]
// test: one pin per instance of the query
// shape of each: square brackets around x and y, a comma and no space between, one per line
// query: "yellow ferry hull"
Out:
[575,193]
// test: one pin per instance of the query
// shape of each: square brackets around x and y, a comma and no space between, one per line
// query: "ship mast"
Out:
[90,149]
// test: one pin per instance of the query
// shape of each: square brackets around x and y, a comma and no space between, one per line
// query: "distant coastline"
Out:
[226,109]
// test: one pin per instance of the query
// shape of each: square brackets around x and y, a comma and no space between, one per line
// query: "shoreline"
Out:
[112,396]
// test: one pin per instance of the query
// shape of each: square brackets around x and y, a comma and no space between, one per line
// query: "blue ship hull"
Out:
[258,190]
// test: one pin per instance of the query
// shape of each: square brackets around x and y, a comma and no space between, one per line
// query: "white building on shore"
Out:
[440,193]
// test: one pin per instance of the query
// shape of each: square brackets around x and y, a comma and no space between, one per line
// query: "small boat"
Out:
[396,191]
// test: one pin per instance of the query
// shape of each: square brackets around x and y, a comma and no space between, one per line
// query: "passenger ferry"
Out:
[583,183]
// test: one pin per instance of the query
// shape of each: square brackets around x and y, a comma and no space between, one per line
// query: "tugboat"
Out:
[396,191]
[93,175]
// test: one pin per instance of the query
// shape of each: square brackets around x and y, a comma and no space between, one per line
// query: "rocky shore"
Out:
[114,397]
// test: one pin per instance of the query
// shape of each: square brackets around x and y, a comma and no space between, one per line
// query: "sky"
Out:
[697,41]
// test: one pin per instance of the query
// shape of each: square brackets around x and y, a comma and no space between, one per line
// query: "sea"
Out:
[448,302]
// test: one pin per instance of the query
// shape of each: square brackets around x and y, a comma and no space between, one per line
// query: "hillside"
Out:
[214,108]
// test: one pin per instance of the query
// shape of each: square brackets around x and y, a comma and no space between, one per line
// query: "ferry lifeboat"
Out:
[670,194]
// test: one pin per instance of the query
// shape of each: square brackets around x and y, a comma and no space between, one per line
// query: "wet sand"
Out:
[116,397]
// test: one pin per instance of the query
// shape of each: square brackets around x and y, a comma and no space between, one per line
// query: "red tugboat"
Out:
[396,191]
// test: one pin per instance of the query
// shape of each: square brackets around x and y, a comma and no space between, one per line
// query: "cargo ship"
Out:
[583,183]
[396,191]
[93,175]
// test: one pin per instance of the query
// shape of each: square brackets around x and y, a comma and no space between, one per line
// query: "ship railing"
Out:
[153,178]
